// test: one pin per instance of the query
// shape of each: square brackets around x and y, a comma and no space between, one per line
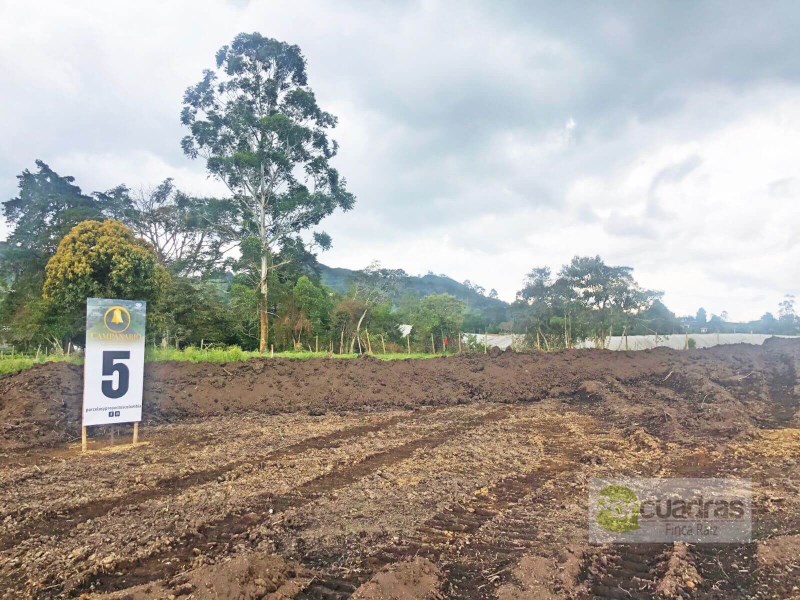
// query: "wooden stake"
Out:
[408,341]
[316,345]
[459,342]
[136,433]
[433,344]
[485,341]
[383,344]
[84,442]
[369,344]
[272,350]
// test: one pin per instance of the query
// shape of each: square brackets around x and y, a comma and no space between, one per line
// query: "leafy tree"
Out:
[440,316]
[243,308]
[313,301]
[587,299]
[194,312]
[190,235]
[716,323]
[608,295]
[101,260]
[308,312]
[371,289]
[258,125]
[47,207]
[767,323]
[787,316]
[347,313]
[656,318]
[701,317]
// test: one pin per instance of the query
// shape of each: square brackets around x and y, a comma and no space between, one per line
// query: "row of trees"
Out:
[256,123]
[786,323]
[586,299]
[173,250]
[177,252]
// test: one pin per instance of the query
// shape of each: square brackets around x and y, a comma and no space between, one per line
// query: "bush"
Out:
[98,260]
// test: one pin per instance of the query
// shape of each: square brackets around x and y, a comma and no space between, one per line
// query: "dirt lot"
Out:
[463,477]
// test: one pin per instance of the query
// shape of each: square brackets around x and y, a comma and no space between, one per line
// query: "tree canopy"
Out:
[258,126]
[588,299]
[99,260]
[190,234]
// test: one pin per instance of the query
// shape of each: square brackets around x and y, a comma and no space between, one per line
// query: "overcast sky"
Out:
[481,139]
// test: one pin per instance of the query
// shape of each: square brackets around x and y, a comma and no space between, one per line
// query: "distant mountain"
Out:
[482,312]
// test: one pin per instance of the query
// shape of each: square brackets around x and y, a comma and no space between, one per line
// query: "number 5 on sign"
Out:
[114,366]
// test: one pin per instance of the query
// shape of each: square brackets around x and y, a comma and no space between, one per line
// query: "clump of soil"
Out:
[680,575]
[546,577]
[418,579]
[250,576]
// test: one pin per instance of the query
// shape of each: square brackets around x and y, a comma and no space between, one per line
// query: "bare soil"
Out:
[461,477]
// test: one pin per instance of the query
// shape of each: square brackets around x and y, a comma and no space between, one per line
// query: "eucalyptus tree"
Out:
[258,126]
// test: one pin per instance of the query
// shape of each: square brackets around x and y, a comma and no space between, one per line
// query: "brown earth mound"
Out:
[461,478]
[731,387]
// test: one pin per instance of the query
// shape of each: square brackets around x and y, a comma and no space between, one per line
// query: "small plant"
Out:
[692,343]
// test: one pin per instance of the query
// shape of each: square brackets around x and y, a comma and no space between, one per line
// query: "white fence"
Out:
[678,340]
[640,342]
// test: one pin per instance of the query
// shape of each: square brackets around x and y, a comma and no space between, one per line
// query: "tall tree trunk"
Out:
[263,316]
[361,320]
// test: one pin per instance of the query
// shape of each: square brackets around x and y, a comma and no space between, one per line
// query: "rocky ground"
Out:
[463,477]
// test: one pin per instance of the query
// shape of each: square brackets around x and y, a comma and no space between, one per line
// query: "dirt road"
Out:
[454,478]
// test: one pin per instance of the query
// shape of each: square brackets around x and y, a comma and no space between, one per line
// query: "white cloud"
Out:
[480,139]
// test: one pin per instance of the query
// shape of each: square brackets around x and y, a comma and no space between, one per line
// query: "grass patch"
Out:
[236,354]
[12,363]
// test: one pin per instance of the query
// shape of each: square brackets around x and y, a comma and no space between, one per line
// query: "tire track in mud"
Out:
[61,522]
[631,571]
[475,569]
[465,567]
[217,537]
[647,570]
[644,571]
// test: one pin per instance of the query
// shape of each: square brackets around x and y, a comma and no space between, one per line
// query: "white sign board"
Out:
[113,372]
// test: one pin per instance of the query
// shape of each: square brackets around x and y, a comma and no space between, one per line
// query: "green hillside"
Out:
[483,312]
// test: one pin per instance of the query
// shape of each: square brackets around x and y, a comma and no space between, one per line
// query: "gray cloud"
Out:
[531,130]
